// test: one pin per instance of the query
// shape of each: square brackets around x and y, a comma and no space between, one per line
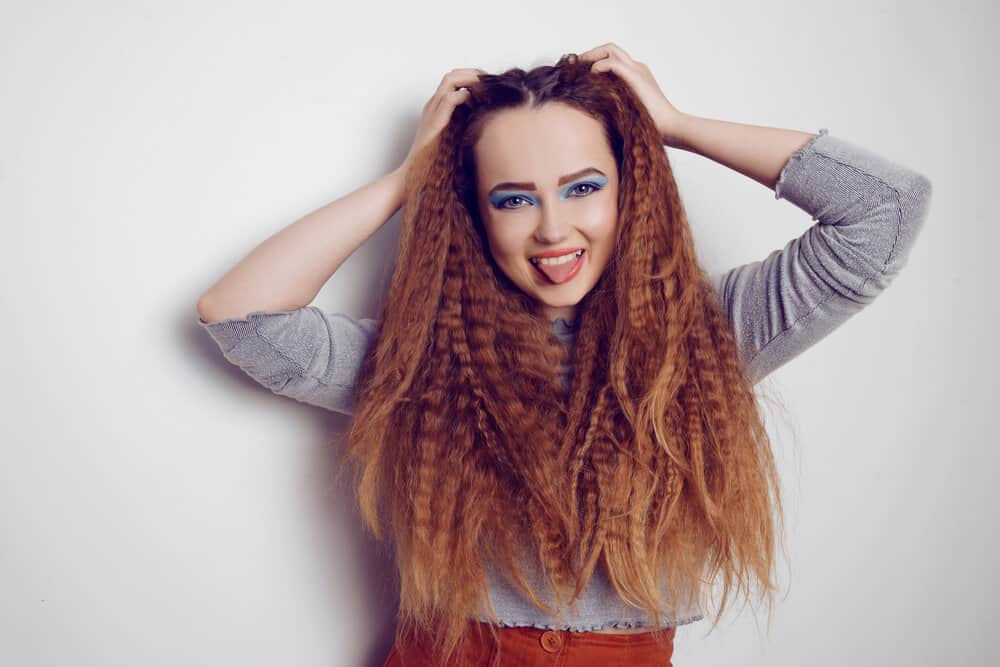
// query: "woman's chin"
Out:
[566,298]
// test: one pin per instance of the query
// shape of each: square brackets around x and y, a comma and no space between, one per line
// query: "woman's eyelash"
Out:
[509,199]
[594,187]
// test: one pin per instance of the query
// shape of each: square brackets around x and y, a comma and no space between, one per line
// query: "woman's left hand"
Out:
[612,57]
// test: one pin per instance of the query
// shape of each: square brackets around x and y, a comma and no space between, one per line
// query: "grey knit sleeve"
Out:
[869,211]
[310,355]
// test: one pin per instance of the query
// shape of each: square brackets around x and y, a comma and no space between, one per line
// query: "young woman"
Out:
[553,418]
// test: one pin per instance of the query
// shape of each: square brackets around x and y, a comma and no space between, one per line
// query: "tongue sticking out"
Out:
[558,273]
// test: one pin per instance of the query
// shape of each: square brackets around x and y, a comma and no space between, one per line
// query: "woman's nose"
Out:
[553,223]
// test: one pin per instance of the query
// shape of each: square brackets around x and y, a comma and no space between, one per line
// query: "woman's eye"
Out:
[504,203]
[591,188]
[585,185]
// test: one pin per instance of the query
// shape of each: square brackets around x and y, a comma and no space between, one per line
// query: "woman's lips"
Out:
[558,274]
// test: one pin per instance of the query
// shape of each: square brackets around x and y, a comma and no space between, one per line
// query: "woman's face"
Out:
[547,183]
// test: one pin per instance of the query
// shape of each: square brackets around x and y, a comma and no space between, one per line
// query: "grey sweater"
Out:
[868,212]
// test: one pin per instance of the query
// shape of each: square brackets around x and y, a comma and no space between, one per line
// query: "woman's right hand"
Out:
[437,111]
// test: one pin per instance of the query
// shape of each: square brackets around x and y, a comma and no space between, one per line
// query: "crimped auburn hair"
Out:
[655,464]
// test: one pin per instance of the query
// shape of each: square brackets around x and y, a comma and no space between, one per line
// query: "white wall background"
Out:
[159,508]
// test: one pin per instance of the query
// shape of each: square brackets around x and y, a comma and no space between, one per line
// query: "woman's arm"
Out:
[869,212]
[257,312]
[309,354]
[287,271]
[757,152]
[753,150]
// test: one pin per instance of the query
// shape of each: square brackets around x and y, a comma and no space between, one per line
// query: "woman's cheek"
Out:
[511,246]
[598,231]
[508,252]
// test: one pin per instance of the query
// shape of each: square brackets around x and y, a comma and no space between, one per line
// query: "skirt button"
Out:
[551,641]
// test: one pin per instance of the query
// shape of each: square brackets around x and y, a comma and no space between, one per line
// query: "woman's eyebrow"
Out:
[530,185]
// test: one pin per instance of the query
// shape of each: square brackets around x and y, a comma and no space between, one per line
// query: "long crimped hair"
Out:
[654,465]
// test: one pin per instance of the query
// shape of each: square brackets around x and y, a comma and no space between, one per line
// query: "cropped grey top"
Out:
[868,212]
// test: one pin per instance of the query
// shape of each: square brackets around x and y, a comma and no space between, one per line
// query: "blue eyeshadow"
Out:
[497,198]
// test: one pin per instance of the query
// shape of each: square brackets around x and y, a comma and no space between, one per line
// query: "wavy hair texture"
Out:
[655,464]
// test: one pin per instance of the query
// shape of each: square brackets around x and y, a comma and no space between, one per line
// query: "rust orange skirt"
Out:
[534,647]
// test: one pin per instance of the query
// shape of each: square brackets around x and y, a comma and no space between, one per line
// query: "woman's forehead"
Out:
[540,145]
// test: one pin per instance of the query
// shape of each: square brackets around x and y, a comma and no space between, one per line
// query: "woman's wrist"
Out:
[675,129]
[756,151]
[398,179]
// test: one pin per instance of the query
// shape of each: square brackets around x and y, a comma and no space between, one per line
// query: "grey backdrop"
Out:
[161,509]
